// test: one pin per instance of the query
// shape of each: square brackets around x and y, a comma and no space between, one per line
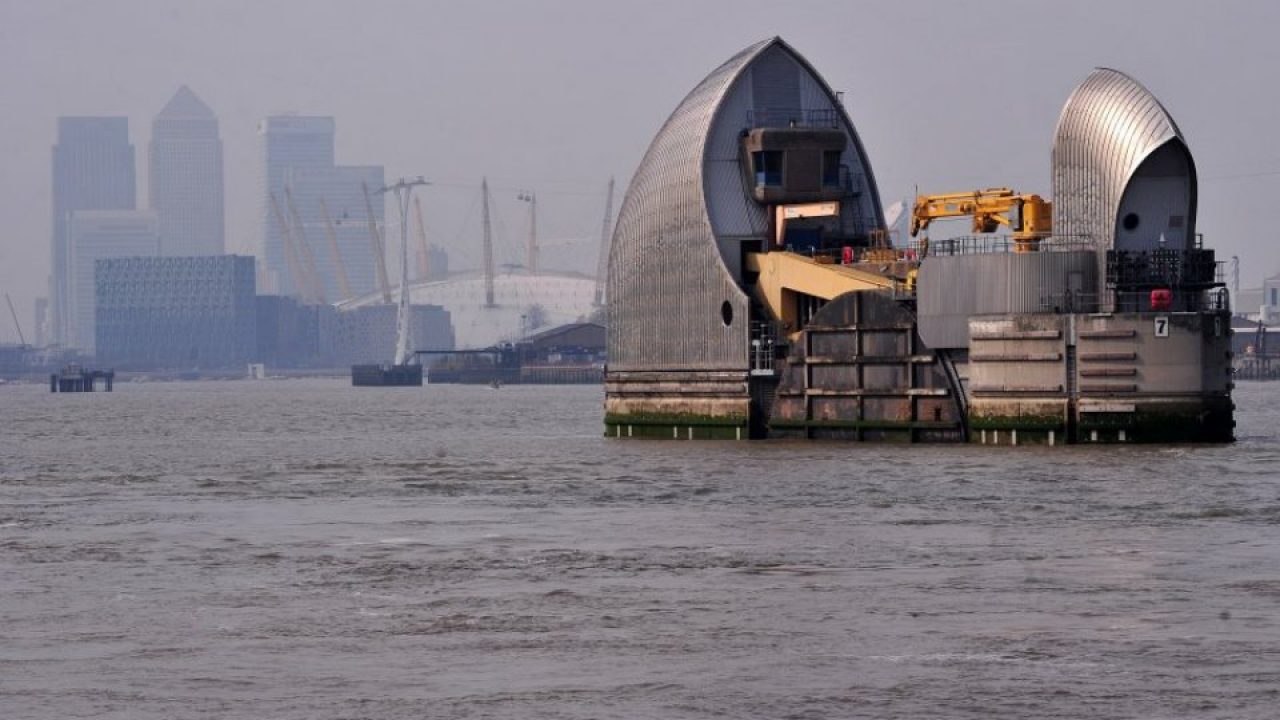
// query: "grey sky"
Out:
[558,96]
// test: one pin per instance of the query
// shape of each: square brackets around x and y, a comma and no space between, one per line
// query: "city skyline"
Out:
[568,106]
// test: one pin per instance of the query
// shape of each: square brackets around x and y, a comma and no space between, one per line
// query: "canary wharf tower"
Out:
[186,177]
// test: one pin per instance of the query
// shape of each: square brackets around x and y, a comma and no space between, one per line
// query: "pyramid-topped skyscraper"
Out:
[186,188]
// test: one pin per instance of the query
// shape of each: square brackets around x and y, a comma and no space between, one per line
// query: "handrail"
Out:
[992,244]
[1215,299]
[793,118]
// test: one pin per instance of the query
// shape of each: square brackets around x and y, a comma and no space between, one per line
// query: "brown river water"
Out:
[304,549]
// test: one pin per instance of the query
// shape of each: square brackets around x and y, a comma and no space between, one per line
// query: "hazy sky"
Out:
[558,96]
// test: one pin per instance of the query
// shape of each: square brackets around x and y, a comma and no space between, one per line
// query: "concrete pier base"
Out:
[1101,378]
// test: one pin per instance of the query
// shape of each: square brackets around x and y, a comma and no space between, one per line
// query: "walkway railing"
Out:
[988,244]
[1215,299]
[793,117]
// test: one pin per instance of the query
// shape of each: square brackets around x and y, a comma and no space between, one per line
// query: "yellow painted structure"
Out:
[1029,217]
[785,278]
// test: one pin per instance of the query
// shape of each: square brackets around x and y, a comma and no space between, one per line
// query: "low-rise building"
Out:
[367,335]
[289,332]
[180,313]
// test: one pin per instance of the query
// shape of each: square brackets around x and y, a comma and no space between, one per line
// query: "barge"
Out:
[386,375]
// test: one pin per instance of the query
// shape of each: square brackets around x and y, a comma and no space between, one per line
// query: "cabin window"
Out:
[768,167]
[831,168]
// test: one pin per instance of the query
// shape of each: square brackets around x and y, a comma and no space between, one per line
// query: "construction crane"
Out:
[290,252]
[379,257]
[1028,217]
[424,252]
[305,255]
[16,324]
[340,269]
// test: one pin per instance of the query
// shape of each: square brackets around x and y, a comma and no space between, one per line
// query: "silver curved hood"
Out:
[673,301]
[1109,127]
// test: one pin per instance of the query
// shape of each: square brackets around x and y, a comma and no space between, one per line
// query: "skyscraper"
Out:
[287,142]
[93,169]
[42,322]
[97,235]
[298,154]
[186,177]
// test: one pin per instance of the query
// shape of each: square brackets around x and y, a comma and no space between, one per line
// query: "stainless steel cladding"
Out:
[675,297]
[777,89]
[1122,174]
[671,301]
[952,289]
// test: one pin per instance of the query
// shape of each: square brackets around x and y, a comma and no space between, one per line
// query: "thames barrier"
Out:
[755,290]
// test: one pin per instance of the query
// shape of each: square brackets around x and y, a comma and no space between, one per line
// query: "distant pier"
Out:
[74,378]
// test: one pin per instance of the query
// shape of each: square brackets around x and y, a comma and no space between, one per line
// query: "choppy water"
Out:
[303,549]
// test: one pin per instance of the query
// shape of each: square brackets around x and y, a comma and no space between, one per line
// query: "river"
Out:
[304,549]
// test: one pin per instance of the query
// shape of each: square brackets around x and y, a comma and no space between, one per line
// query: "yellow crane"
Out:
[305,256]
[339,268]
[1028,217]
[300,286]
[379,255]
[424,252]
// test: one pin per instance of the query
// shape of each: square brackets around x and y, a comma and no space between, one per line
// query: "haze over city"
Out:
[560,96]
[679,359]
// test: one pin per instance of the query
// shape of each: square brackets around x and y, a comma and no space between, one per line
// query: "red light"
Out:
[1161,299]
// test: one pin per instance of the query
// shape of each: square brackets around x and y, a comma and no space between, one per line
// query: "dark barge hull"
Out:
[386,375]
